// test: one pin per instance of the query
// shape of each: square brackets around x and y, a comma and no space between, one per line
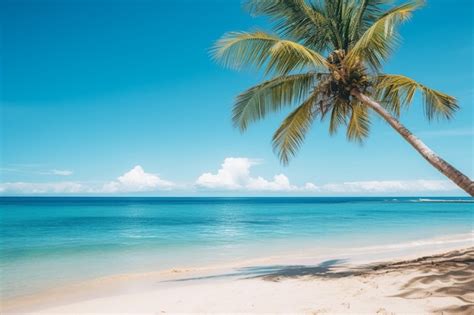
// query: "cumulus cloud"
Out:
[310,187]
[234,174]
[279,183]
[137,180]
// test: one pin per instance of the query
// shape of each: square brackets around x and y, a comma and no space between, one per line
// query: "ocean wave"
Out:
[443,200]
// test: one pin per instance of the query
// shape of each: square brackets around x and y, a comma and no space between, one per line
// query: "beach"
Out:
[236,157]
[236,255]
[440,283]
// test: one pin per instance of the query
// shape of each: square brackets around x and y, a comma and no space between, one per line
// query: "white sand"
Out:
[374,295]
[437,284]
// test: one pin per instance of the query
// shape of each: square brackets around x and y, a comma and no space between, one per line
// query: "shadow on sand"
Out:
[276,272]
[446,275]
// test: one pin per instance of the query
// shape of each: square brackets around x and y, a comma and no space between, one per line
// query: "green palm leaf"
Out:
[262,50]
[339,115]
[270,96]
[294,19]
[367,12]
[378,41]
[291,133]
[396,91]
[359,123]
[357,36]
[354,35]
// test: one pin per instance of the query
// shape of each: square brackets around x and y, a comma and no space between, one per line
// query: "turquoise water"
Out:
[50,241]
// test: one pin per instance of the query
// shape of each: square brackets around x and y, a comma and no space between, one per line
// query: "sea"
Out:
[46,242]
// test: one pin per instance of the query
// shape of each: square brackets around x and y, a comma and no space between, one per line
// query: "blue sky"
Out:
[121,97]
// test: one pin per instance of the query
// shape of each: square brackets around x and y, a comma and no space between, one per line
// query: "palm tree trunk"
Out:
[444,167]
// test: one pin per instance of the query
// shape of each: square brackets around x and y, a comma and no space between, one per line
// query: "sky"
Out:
[121,97]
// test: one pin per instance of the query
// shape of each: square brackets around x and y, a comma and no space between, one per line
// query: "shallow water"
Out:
[51,241]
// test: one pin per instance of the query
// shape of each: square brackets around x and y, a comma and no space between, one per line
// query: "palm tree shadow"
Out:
[448,275]
[333,268]
[328,268]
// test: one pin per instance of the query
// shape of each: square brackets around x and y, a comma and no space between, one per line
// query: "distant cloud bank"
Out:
[388,186]
[133,181]
[234,175]
[43,188]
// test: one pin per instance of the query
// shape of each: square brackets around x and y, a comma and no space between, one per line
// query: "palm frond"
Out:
[262,50]
[333,10]
[359,123]
[395,91]
[356,35]
[291,133]
[339,113]
[366,13]
[271,96]
[379,40]
[296,19]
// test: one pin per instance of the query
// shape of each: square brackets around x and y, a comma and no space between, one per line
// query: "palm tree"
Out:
[325,59]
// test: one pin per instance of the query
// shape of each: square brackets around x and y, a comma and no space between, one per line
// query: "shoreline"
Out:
[126,289]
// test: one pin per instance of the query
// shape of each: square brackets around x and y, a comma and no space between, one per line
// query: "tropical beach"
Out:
[370,288]
[224,157]
[237,255]
[437,283]
[416,286]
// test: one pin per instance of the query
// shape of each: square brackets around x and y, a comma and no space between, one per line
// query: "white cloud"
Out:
[279,183]
[137,180]
[43,188]
[311,187]
[388,186]
[234,174]
[62,172]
